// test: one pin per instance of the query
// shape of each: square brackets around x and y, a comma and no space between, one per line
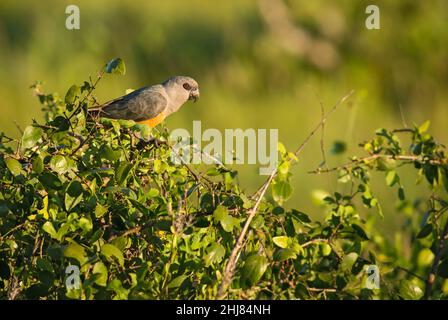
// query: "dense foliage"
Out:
[104,196]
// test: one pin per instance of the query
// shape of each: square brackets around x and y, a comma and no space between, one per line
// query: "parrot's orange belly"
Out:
[154,121]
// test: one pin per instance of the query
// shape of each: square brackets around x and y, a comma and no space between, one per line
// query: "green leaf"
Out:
[106,152]
[254,268]
[424,127]
[116,66]
[325,249]
[122,172]
[348,261]
[425,257]
[281,148]
[50,181]
[409,290]
[360,232]
[285,254]
[44,265]
[152,193]
[59,164]
[338,147]
[425,231]
[101,270]
[49,228]
[281,241]
[391,178]
[442,270]
[62,123]
[72,93]
[281,191]
[222,216]
[176,282]
[220,213]
[31,136]
[77,252]
[401,194]
[38,165]
[14,166]
[214,254]
[100,210]
[143,129]
[228,223]
[73,195]
[109,250]
[300,216]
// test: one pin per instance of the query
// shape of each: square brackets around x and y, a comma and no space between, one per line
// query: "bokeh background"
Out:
[259,63]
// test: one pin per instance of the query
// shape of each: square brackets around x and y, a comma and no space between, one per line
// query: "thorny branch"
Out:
[229,269]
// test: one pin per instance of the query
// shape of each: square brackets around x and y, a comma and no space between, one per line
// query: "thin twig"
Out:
[229,269]
[357,161]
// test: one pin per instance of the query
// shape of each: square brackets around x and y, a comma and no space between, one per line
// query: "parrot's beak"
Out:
[194,95]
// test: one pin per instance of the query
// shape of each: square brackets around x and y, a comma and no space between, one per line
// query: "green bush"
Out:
[105,197]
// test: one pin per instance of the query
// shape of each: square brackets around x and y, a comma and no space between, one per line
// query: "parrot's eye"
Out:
[187,86]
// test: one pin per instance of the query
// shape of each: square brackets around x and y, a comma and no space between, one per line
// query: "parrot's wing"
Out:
[139,105]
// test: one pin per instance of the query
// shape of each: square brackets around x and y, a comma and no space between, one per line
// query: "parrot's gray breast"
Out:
[142,104]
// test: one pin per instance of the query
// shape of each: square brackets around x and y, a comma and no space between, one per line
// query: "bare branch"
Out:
[229,269]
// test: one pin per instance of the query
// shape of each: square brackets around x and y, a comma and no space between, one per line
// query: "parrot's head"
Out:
[186,87]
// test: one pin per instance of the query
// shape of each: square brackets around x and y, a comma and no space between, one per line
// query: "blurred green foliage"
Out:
[247,77]
[101,201]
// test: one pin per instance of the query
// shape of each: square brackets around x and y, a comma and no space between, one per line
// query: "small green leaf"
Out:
[106,152]
[59,164]
[220,213]
[116,66]
[31,136]
[73,195]
[281,148]
[391,178]
[442,271]
[228,223]
[401,194]
[214,254]
[77,252]
[300,216]
[100,210]
[50,181]
[285,254]
[14,166]
[122,172]
[49,228]
[281,241]
[109,250]
[281,191]
[72,93]
[348,261]
[360,232]
[38,165]
[177,282]
[254,268]
[338,147]
[425,231]
[325,249]
[409,290]
[424,127]
[222,216]
[101,270]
